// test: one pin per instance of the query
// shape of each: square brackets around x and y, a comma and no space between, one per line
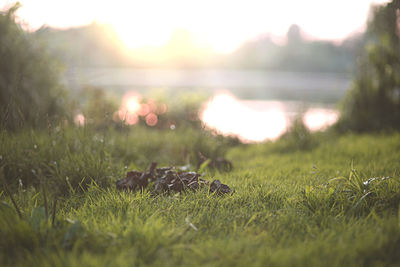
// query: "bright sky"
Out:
[221,24]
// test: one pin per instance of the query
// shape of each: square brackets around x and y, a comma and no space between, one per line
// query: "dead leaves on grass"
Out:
[169,179]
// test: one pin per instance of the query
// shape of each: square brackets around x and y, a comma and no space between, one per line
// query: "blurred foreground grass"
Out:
[65,157]
[286,209]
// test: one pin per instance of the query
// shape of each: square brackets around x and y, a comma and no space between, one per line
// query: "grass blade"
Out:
[53,215]
[5,185]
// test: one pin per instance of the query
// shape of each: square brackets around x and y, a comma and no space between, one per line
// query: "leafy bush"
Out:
[30,93]
[374,101]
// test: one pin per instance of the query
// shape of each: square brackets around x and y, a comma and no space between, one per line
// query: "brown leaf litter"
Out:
[169,179]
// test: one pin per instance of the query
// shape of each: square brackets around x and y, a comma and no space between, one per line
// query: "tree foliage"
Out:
[30,92]
[374,101]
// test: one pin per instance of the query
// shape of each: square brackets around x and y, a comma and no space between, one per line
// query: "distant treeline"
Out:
[298,54]
[92,45]
[95,45]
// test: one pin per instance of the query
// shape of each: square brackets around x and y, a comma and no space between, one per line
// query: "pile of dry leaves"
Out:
[169,179]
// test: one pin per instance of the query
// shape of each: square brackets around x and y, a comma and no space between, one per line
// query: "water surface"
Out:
[261,120]
[254,105]
[245,84]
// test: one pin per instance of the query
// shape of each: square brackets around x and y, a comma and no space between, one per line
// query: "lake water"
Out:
[254,105]
[245,84]
[261,120]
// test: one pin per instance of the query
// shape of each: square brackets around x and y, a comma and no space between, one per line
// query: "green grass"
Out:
[286,209]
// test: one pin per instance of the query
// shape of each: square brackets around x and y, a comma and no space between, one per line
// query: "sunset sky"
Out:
[222,25]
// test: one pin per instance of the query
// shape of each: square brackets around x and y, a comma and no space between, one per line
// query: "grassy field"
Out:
[287,209]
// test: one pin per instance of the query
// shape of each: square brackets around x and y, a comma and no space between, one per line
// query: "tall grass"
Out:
[69,158]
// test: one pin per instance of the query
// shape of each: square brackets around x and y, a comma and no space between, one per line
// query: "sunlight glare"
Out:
[223,25]
[257,121]
[229,116]
[129,108]
[317,119]
[132,105]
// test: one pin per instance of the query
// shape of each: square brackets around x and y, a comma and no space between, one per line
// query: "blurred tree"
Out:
[294,35]
[374,101]
[30,92]
[92,45]
[298,54]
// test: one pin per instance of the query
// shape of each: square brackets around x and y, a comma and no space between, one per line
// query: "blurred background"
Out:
[248,69]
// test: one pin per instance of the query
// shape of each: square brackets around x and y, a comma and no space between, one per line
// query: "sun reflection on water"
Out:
[317,119]
[230,116]
[257,121]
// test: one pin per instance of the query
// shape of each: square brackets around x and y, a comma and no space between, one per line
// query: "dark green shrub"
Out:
[30,92]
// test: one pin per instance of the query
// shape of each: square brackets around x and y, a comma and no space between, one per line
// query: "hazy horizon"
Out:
[219,27]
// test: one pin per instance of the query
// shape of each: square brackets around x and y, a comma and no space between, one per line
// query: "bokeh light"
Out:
[151,119]
[133,108]
[79,119]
